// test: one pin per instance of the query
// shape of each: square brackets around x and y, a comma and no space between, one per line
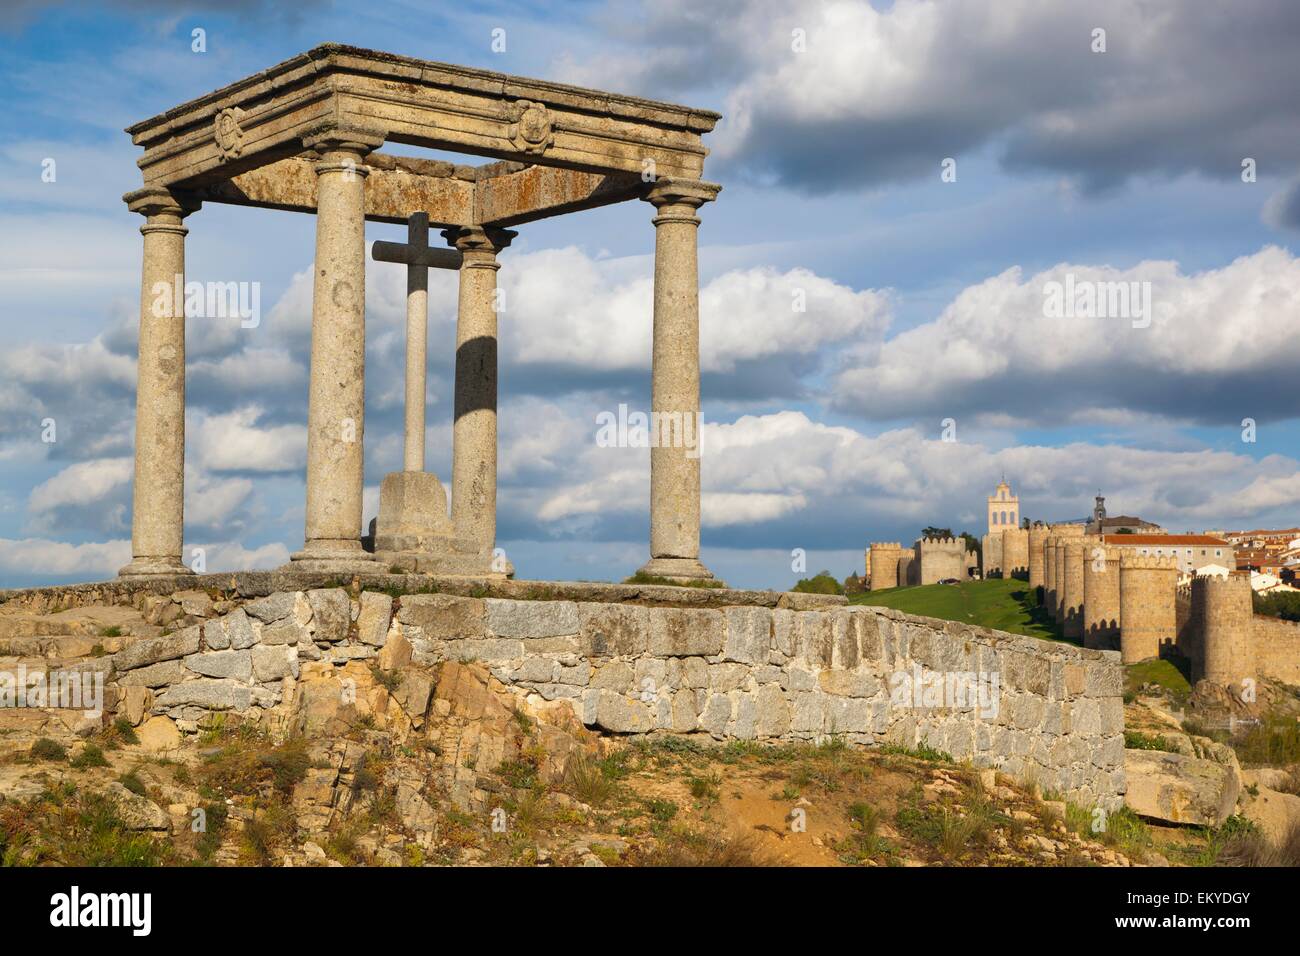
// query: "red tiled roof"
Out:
[1166,539]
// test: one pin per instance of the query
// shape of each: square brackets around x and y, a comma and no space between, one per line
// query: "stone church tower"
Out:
[1004,509]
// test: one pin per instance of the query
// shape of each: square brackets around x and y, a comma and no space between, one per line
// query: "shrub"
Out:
[588,781]
[47,749]
[821,583]
[132,782]
[90,756]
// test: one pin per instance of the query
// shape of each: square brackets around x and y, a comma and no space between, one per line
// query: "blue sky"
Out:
[925,296]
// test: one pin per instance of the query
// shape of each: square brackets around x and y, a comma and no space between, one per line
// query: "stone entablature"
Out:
[421,103]
[1051,713]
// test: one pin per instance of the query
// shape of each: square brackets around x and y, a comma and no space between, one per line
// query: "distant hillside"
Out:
[1007,605]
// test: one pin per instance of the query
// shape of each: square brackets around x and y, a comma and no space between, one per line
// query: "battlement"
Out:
[942,542]
[1202,584]
[886,546]
[1068,530]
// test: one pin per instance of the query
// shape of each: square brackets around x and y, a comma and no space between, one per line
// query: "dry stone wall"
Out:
[1037,710]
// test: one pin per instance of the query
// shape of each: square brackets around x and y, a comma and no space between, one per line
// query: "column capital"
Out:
[681,192]
[478,244]
[156,201]
[342,148]
[339,138]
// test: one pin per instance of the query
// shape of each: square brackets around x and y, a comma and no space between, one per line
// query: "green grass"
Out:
[1003,604]
[1160,672]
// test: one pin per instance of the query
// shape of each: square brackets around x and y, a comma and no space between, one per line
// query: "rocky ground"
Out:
[385,762]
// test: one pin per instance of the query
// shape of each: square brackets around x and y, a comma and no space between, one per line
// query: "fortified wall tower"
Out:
[1015,553]
[940,558]
[1101,598]
[1064,534]
[1037,538]
[1147,586]
[1049,573]
[992,552]
[1223,613]
[883,558]
[1072,589]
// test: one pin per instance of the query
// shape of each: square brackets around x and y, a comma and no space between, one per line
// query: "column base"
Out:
[154,567]
[331,556]
[444,563]
[679,570]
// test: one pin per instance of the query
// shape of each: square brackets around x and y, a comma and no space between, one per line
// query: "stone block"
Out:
[273,607]
[331,610]
[622,715]
[215,637]
[412,513]
[716,714]
[531,619]
[275,662]
[153,675]
[772,712]
[686,632]
[375,615]
[237,665]
[241,630]
[154,649]
[285,632]
[748,634]
[614,676]
[613,630]
[444,617]
[208,693]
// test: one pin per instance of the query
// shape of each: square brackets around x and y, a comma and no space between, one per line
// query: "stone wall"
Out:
[939,559]
[1051,713]
[1101,606]
[1148,618]
[1277,648]
[1037,539]
[884,557]
[1015,553]
[992,549]
[1222,612]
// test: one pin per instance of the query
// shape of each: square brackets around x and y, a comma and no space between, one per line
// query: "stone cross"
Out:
[418,258]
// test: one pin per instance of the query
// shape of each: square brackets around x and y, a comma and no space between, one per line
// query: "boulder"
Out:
[1179,789]
[137,812]
[159,735]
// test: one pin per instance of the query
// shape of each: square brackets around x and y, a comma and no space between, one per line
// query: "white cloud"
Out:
[1215,335]
[81,484]
[37,556]
[234,442]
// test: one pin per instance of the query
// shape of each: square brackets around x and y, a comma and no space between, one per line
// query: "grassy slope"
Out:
[1007,605]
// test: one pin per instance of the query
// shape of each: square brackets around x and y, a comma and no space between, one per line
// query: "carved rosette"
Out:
[228,132]
[531,131]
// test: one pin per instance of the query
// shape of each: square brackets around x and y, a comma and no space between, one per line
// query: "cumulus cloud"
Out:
[1221,344]
[235,442]
[883,92]
[49,559]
